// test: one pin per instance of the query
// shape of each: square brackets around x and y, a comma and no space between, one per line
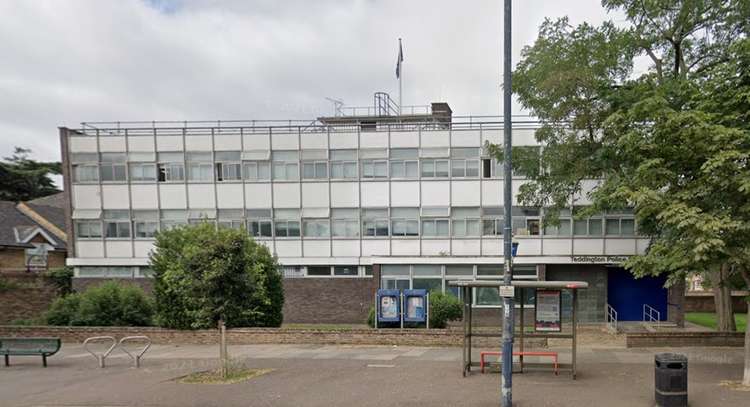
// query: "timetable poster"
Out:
[548,310]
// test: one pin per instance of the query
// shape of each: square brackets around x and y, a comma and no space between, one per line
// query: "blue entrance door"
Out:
[626,294]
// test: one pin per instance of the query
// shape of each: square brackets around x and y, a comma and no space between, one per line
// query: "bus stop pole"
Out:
[506,391]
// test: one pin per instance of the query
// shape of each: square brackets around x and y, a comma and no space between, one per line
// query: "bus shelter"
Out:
[467,290]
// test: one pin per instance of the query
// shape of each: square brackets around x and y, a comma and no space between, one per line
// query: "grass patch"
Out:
[214,376]
[708,319]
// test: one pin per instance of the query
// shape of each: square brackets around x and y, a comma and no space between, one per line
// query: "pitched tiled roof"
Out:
[15,226]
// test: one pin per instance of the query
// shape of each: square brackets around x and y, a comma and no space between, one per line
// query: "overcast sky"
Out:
[64,62]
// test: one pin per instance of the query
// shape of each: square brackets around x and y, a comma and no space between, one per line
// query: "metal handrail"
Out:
[137,356]
[102,356]
[651,315]
[612,319]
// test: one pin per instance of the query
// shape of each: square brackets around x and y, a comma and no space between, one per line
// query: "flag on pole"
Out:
[399,59]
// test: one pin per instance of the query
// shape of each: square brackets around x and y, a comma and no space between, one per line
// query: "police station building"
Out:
[379,197]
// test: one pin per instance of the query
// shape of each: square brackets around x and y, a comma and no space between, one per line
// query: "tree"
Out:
[204,274]
[23,179]
[673,142]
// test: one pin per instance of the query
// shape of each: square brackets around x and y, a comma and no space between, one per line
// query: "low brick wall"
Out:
[704,301]
[28,296]
[684,339]
[250,336]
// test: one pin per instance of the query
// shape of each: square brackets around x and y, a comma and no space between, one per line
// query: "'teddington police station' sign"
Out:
[599,259]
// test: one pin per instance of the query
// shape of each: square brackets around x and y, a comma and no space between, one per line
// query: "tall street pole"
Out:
[508,317]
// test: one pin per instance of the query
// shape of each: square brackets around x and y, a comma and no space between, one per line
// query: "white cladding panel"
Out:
[492,247]
[285,141]
[315,195]
[141,143]
[524,137]
[343,140]
[619,247]
[403,139]
[314,140]
[465,247]
[581,198]
[288,248]
[286,195]
[267,243]
[465,193]
[86,248]
[379,247]
[317,248]
[169,143]
[82,144]
[404,194]
[115,197]
[144,196]
[436,193]
[403,247]
[432,247]
[197,143]
[227,142]
[201,196]
[229,196]
[344,194]
[374,194]
[172,196]
[86,197]
[435,138]
[465,138]
[114,144]
[492,193]
[341,248]
[529,247]
[556,247]
[142,248]
[494,136]
[642,245]
[119,248]
[256,141]
[516,188]
[258,195]
[586,246]
[373,139]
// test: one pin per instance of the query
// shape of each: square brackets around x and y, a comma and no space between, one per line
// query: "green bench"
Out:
[29,347]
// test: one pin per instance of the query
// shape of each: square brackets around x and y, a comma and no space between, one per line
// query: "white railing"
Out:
[651,315]
[611,319]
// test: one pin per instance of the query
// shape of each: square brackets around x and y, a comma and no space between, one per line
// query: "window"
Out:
[346,271]
[345,222]
[619,226]
[368,270]
[145,223]
[404,163]
[256,170]
[286,222]
[259,222]
[563,229]
[491,168]
[171,218]
[316,227]
[142,172]
[526,221]
[492,221]
[85,167]
[374,163]
[196,216]
[375,222]
[91,271]
[117,223]
[314,164]
[459,270]
[318,270]
[228,166]
[343,164]
[199,166]
[427,270]
[285,165]
[435,168]
[231,218]
[171,167]
[429,284]
[490,270]
[405,221]
[88,229]
[465,222]
[464,162]
[112,167]
[394,270]
[435,222]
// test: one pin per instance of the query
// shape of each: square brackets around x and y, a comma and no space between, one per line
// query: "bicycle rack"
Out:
[135,356]
[102,356]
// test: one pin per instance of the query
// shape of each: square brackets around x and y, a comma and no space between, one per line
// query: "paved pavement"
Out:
[323,375]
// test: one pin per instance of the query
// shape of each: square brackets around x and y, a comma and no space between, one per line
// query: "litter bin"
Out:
[670,375]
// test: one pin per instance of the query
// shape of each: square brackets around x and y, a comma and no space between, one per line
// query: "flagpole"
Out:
[400,75]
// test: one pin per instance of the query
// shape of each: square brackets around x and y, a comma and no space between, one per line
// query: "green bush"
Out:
[62,278]
[371,317]
[108,304]
[203,274]
[443,308]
